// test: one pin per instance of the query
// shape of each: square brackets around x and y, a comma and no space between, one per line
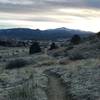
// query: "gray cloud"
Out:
[27,6]
[19,12]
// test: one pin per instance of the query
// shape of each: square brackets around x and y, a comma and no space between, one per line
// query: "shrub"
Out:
[56,54]
[76,56]
[69,47]
[53,46]
[0,57]
[35,48]
[48,63]
[98,34]
[18,63]
[64,61]
[75,39]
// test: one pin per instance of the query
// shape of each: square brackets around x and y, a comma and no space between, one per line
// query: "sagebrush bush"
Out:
[18,63]
[76,56]
[69,47]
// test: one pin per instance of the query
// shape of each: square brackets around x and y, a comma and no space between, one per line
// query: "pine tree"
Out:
[34,48]
[75,39]
[53,46]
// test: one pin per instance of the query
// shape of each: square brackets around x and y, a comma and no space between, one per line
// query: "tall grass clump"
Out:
[25,92]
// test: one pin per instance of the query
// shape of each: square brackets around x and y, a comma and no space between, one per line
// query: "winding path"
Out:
[56,90]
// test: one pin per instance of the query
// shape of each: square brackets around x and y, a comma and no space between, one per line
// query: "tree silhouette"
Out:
[53,46]
[34,48]
[75,39]
[98,34]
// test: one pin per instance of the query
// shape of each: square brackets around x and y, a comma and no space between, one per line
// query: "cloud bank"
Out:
[78,14]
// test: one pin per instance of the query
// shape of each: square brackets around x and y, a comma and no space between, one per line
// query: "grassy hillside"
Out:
[71,72]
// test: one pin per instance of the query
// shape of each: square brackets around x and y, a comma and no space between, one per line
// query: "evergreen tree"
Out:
[75,39]
[53,46]
[35,48]
[98,34]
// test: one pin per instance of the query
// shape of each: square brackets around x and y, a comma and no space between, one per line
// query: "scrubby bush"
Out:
[64,61]
[56,54]
[76,56]
[48,63]
[0,56]
[18,63]
[70,47]
[75,39]
[53,46]
[35,48]
[98,34]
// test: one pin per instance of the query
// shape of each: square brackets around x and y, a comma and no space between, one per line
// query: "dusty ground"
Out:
[56,90]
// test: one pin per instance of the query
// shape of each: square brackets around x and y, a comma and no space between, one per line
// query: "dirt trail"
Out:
[56,90]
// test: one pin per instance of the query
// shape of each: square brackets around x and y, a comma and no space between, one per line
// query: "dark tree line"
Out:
[35,47]
[11,43]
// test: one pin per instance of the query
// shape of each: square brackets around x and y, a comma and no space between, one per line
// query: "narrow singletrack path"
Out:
[56,90]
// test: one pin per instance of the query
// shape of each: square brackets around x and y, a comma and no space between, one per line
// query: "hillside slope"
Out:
[23,33]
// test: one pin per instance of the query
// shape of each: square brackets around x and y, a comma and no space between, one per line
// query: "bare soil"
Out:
[56,90]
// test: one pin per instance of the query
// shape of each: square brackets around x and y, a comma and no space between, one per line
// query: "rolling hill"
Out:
[51,34]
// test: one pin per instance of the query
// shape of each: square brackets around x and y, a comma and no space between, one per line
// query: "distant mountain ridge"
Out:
[50,34]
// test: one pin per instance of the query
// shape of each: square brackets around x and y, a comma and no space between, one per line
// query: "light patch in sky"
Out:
[46,14]
[83,19]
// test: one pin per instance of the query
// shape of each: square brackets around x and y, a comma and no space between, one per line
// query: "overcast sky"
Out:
[46,14]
